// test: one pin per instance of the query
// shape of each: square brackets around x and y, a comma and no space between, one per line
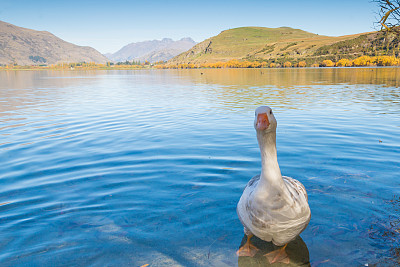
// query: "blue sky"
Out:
[109,25]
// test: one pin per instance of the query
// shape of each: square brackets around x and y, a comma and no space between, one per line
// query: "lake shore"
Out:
[363,61]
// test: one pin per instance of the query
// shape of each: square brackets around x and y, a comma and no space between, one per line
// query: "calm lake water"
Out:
[127,168]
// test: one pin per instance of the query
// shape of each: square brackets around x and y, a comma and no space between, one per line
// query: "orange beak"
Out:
[262,121]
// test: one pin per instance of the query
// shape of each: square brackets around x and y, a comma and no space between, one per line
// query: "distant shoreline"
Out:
[293,68]
[363,61]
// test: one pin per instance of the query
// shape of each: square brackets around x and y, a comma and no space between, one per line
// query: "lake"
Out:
[128,168]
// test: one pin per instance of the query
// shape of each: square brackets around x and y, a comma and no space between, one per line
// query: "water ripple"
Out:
[146,167]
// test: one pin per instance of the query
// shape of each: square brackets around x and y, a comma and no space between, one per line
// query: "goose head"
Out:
[264,120]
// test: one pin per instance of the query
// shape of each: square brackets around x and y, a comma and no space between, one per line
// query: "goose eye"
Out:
[270,112]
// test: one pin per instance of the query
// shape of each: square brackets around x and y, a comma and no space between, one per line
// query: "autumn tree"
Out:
[387,61]
[302,64]
[344,62]
[327,63]
[363,61]
[287,64]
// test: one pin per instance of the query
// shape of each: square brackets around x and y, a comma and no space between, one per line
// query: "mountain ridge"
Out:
[25,46]
[152,50]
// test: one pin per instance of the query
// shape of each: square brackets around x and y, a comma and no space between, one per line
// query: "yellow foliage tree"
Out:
[344,62]
[302,64]
[287,64]
[327,63]
[363,61]
[387,61]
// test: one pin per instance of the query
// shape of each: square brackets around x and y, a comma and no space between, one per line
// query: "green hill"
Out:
[277,44]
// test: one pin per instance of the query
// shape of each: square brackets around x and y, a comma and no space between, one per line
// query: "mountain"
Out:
[259,43]
[25,47]
[152,51]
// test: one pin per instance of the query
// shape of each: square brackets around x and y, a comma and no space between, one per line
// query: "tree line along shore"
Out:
[363,61]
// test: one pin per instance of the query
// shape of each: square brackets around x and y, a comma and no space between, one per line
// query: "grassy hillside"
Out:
[371,44]
[242,41]
[261,44]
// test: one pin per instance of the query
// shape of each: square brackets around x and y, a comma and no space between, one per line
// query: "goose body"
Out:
[272,207]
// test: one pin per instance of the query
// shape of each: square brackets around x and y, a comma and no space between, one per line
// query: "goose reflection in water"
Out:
[296,250]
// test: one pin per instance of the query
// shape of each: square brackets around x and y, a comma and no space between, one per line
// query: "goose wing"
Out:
[274,216]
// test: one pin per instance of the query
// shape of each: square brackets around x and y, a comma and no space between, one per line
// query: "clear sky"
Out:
[108,25]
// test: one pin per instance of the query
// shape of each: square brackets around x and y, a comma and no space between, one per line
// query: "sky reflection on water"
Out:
[146,167]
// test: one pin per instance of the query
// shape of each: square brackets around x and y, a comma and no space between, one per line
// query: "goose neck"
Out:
[270,171]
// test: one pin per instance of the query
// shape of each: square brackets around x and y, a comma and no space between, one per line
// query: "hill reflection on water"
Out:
[235,88]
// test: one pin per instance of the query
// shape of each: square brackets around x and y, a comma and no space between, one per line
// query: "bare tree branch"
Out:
[389,15]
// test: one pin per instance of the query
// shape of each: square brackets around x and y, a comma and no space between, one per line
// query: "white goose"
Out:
[272,207]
